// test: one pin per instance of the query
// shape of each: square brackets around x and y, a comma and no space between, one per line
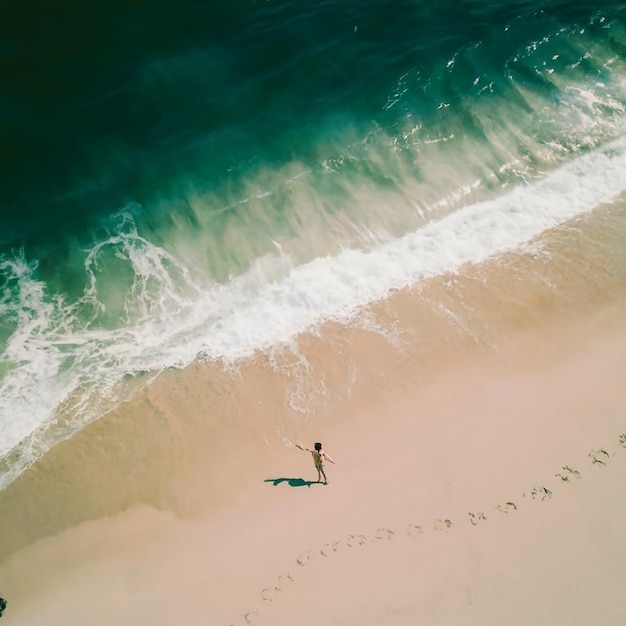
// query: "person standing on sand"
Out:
[319,456]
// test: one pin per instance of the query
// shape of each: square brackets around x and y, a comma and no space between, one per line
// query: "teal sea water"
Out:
[186,180]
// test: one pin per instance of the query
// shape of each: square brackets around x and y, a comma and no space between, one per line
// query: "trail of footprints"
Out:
[599,458]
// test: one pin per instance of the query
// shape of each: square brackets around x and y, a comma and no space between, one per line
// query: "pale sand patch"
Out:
[391,539]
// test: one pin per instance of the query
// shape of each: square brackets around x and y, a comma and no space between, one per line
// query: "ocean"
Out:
[241,188]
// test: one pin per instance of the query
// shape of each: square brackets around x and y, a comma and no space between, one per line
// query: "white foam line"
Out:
[335,287]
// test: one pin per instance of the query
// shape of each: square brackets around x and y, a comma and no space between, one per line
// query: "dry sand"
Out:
[494,493]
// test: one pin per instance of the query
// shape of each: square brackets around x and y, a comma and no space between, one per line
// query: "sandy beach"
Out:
[502,502]
[229,230]
[479,432]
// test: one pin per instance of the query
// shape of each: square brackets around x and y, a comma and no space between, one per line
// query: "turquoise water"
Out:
[193,179]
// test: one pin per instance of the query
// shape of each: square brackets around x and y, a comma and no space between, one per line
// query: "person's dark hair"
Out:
[318,446]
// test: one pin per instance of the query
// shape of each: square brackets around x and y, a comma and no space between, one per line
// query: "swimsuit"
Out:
[317,459]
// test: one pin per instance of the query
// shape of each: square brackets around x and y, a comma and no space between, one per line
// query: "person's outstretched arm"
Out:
[327,458]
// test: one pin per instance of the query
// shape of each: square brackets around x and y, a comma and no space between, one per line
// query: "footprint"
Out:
[414,529]
[507,507]
[283,579]
[250,617]
[329,548]
[304,558]
[622,440]
[356,540]
[541,493]
[443,524]
[476,517]
[599,457]
[568,473]
[268,594]
[383,533]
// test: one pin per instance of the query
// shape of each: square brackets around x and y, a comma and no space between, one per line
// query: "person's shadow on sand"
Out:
[293,482]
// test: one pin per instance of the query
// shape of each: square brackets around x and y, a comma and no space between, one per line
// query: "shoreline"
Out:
[403,512]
